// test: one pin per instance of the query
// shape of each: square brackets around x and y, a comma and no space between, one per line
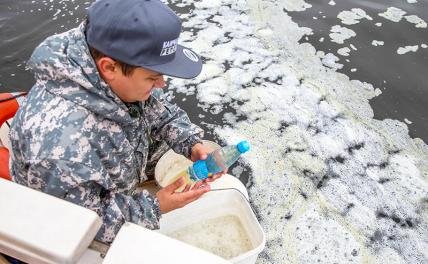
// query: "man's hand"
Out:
[200,152]
[170,200]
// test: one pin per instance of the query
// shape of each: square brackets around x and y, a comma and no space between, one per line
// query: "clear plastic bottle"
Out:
[217,161]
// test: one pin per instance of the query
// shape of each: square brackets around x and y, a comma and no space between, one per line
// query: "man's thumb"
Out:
[203,156]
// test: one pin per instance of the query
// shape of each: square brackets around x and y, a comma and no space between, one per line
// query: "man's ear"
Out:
[108,68]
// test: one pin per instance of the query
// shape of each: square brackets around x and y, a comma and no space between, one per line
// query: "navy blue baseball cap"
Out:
[141,33]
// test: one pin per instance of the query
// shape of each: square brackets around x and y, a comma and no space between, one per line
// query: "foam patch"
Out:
[329,182]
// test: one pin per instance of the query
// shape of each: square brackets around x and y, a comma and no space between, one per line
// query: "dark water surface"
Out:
[402,78]
[23,25]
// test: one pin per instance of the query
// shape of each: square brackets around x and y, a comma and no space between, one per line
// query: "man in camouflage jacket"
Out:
[90,125]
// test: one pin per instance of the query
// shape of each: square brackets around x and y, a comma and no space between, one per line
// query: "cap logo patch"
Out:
[169,47]
[190,55]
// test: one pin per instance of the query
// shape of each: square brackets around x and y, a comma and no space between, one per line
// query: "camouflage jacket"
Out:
[75,139]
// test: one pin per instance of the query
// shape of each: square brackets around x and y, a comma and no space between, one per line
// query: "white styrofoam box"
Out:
[136,244]
[216,204]
[39,228]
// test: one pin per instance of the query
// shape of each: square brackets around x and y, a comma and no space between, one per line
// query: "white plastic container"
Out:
[136,245]
[228,197]
[217,204]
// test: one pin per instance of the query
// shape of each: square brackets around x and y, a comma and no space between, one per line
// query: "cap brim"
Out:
[186,64]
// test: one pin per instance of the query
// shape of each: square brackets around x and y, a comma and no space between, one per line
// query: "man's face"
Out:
[137,86]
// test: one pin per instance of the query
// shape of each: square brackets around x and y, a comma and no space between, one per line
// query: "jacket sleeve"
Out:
[170,123]
[84,186]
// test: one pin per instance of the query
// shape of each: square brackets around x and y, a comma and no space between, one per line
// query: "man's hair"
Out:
[126,68]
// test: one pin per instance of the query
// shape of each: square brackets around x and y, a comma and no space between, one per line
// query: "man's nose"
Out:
[160,82]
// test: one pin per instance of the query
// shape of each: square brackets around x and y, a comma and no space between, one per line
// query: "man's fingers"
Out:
[194,194]
[175,185]
[199,152]
[170,200]
[198,184]
[202,155]
[187,187]
[215,177]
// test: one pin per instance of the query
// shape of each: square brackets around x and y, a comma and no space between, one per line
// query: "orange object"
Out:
[4,163]
[8,107]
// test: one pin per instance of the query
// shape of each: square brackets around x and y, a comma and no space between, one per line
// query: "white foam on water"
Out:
[378,91]
[344,51]
[57,12]
[408,121]
[393,14]
[378,24]
[419,22]
[58,9]
[316,226]
[339,34]
[332,3]
[377,43]
[208,4]
[295,5]
[329,182]
[353,17]
[412,1]
[330,60]
[404,50]
[237,171]
[424,46]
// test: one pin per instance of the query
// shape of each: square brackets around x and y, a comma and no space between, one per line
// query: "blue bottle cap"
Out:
[201,170]
[243,146]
